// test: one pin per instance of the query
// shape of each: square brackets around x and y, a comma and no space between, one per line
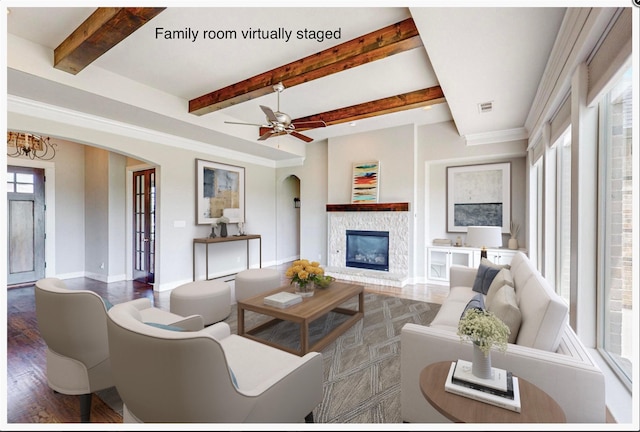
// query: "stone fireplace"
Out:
[392,219]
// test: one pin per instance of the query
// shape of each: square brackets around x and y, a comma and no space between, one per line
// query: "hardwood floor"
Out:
[30,400]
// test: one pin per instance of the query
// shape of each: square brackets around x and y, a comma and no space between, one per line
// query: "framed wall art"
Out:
[479,195]
[219,192]
[366,180]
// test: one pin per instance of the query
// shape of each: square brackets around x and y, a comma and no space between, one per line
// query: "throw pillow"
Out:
[477,302]
[505,307]
[484,277]
[502,278]
[233,378]
[107,304]
[164,326]
[489,263]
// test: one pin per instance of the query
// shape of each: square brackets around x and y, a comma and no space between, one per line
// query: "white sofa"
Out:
[546,351]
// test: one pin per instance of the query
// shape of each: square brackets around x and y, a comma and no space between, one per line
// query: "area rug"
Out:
[361,367]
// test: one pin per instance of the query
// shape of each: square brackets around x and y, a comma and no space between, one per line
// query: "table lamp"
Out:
[484,237]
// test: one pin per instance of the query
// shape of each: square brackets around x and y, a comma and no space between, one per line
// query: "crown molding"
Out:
[505,135]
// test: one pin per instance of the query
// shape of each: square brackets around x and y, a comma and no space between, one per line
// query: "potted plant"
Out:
[485,330]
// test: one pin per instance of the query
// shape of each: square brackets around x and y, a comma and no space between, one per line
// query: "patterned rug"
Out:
[361,367]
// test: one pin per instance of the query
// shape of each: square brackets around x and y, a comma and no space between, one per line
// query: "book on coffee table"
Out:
[282,299]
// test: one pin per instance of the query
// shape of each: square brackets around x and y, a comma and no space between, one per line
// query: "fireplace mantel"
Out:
[401,206]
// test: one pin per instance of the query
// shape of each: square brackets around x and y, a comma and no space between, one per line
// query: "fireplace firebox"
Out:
[368,250]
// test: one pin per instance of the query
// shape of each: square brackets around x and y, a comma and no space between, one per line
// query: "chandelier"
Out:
[30,145]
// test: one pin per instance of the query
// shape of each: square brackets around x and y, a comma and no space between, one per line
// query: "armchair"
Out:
[73,324]
[211,375]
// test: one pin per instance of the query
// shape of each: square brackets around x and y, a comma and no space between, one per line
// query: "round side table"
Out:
[536,405]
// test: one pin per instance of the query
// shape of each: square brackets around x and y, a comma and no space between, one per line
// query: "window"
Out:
[563,216]
[616,229]
[20,182]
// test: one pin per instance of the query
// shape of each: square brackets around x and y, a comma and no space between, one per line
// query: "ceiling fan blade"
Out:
[245,124]
[265,130]
[265,133]
[300,136]
[269,113]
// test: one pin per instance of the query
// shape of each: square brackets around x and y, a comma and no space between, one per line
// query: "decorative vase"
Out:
[213,232]
[305,290]
[223,230]
[513,243]
[481,365]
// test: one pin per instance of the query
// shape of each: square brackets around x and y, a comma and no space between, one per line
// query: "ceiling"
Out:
[475,55]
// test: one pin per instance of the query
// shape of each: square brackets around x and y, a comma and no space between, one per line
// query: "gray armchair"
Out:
[207,376]
[73,324]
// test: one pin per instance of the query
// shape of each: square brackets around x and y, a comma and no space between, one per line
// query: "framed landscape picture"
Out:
[219,192]
[479,195]
[366,178]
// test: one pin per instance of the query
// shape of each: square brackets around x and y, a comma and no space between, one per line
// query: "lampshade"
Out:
[484,236]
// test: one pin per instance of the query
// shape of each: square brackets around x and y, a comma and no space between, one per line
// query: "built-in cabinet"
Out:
[441,258]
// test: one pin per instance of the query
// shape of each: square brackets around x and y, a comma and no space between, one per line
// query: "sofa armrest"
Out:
[576,384]
[460,275]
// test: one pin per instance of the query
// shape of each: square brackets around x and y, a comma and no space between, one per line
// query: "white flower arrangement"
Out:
[484,329]
[223,220]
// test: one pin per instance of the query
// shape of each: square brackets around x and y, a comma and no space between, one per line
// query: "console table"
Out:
[537,406]
[206,241]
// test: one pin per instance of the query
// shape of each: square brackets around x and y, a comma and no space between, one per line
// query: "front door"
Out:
[25,224]
[144,225]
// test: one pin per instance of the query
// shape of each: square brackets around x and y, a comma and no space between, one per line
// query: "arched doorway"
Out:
[289,203]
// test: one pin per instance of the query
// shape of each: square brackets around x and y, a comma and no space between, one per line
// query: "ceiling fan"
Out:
[280,123]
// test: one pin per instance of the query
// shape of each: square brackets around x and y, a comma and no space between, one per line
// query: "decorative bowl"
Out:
[324,281]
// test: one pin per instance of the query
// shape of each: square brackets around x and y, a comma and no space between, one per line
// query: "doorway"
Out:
[25,225]
[144,225]
[288,223]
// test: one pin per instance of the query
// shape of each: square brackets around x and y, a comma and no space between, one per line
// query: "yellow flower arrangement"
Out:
[484,329]
[304,271]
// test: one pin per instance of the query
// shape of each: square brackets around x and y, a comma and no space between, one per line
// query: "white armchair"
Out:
[205,376]
[73,324]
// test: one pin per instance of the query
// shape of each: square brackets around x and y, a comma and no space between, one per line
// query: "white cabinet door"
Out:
[496,256]
[440,261]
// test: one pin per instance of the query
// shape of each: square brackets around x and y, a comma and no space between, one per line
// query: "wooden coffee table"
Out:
[311,308]
[536,405]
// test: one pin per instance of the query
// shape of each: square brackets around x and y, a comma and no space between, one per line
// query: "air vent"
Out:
[485,107]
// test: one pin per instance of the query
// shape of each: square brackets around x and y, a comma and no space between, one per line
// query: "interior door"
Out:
[25,225]
[144,225]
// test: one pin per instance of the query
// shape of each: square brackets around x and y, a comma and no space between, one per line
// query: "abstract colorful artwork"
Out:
[366,180]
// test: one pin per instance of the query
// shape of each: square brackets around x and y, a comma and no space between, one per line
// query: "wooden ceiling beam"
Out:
[390,40]
[414,99]
[103,30]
